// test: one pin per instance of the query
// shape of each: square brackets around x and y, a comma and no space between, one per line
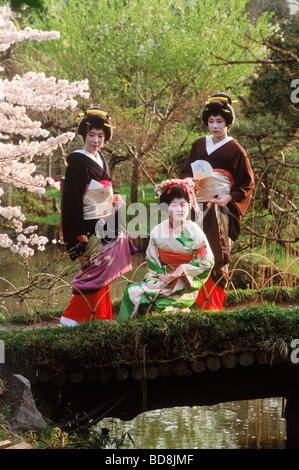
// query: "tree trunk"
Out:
[134,182]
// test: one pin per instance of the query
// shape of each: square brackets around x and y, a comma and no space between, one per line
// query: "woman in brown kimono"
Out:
[233,183]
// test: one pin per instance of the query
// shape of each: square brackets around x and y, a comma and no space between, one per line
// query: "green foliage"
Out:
[30,202]
[269,294]
[270,90]
[148,62]
[102,438]
[145,43]
[163,337]
[36,208]
[272,147]
[27,319]
[234,298]
[18,4]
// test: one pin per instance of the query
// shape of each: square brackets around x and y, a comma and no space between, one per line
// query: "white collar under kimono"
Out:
[211,147]
[96,159]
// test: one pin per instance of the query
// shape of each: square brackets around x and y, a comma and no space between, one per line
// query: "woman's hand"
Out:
[118,200]
[177,273]
[196,184]
[222,200]
[171,276]
[165,278]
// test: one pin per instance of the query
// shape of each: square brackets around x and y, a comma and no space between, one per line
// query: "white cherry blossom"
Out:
[18,97]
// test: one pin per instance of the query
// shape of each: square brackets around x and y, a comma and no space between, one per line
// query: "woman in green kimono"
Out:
[179,258]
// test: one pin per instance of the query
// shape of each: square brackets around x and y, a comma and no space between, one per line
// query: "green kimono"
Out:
[186,247]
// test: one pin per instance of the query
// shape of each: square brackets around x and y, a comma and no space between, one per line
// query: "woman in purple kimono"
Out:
[90,209]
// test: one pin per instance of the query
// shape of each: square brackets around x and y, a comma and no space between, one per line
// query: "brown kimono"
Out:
[231,159]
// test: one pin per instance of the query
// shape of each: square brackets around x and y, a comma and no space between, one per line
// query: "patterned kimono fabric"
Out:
[91,291]
[232,170]
[90,287]
[186,247]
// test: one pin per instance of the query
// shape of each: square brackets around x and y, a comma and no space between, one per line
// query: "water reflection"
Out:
[54,264]
[255,424]
[248,424]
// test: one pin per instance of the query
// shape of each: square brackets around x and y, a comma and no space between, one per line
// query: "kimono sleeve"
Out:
[243,180]
[76,180]
[199,268]
[186,171]
[154,264]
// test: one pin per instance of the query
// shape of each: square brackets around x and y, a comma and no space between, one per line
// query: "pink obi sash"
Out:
[173,258]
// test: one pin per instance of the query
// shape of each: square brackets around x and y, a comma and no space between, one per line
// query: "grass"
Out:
[155,338]
[268,294]
[234,298]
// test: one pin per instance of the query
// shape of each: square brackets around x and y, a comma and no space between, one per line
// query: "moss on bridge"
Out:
[154,339]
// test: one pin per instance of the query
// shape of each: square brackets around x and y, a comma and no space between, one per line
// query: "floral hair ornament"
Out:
[186,183]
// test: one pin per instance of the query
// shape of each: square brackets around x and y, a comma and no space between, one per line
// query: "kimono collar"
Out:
[98,159]
[211,147]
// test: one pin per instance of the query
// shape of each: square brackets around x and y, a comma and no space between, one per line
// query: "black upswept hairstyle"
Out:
[172,192]
[221,106]
[97,118]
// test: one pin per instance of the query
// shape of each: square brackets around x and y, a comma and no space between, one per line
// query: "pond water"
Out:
[250,424]
[55,282]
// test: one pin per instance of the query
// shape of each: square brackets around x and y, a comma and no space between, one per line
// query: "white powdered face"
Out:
[178,210]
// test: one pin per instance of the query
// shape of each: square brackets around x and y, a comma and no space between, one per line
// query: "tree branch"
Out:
[292,57]
[267,237]
[275,48]
[140,163]
[6,55]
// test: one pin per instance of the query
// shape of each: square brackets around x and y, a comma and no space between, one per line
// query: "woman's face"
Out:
[178,209]
[94,140]
[217,127]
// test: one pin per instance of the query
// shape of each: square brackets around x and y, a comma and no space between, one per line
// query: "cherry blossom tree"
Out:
[21,137]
